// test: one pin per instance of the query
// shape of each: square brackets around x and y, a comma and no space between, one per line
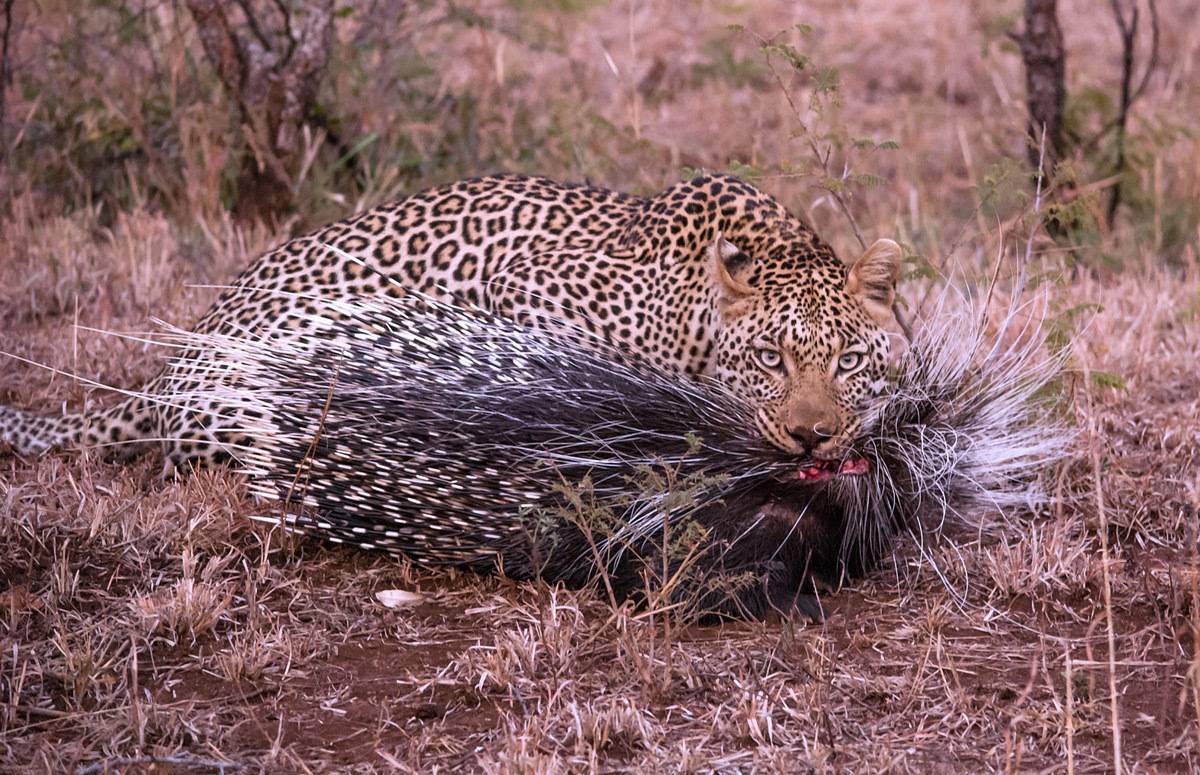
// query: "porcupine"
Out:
[452,436]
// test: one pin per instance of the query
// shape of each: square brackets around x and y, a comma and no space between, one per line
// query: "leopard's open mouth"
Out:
[819,470]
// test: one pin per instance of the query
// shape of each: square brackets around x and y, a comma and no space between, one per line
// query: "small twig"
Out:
[1070,711]
[32,710]
[1020,286]
[252,23]
[516,690]
[1114,708]
[597,557]
[4,74]
[1037,206]
[984,315]
[824,681]
[1193,540]
[288,31]
[1128,32]
[902,321]
[1153,63]
[1111,124]
[121,761]
[1128,96]
[305,467]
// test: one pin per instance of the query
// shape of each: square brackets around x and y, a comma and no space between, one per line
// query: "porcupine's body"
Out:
[452,436]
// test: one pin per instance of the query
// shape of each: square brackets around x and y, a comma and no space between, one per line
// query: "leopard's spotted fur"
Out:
[711,276]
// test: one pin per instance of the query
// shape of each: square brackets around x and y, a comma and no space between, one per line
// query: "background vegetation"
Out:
[146,625]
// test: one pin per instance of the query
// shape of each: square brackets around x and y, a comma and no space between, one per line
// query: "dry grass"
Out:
[143,619]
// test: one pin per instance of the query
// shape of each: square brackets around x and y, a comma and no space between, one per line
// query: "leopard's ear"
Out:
[873,278]
[730,268]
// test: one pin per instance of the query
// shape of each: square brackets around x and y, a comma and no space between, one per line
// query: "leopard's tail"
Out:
[120,431]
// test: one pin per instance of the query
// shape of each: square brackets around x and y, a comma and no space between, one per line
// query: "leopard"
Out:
[710,277]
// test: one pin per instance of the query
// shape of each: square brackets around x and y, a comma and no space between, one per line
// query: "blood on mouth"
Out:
[818,470]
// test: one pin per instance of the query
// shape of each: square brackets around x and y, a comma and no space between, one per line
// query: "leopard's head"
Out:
[801,337]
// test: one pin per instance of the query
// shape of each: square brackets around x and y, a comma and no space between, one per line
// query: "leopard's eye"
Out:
[850,361]
[771,360]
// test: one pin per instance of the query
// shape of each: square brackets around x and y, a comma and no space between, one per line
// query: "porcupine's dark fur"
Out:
[452,436]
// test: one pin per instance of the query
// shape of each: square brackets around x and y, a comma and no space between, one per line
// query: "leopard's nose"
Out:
[807,437]
[810,426]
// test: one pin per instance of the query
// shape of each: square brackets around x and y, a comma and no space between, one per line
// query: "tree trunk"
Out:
[273,73]
[1045,79]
